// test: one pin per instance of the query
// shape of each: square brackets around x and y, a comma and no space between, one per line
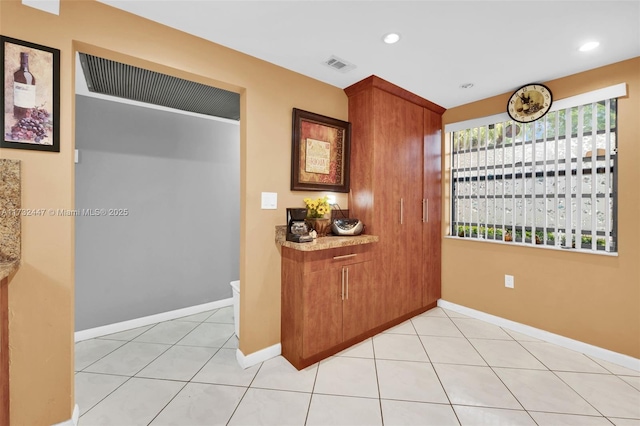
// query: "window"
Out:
[551,182]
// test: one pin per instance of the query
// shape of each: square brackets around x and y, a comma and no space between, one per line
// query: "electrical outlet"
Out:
[508,281]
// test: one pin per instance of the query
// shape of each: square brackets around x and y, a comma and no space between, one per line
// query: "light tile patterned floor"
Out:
[439,368]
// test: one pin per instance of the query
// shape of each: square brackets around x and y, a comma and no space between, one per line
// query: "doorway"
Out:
[157,203]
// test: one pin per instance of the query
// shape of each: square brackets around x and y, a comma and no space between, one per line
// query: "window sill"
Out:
[533,246]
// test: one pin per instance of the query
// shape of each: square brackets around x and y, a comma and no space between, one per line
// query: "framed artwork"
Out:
[320,153]
[31,95]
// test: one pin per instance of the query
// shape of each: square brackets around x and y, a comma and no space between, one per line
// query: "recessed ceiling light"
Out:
[466,86]
[589,46]
[391,38]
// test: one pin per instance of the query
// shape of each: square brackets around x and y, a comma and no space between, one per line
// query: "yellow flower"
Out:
[318,207]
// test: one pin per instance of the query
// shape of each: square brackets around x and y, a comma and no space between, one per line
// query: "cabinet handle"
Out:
[342,296]
[427,210]
[346,256]
[423,219]
[347,283]
[401,210]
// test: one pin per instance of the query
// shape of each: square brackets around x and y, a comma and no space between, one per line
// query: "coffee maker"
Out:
[297,228]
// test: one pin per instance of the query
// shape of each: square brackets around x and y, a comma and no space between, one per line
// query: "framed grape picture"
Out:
[320,151]
[31,96]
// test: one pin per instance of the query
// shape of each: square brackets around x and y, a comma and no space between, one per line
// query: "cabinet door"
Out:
[359,306]
[399,141]
[388,200]
[412,179]
[322,311]
[432,231]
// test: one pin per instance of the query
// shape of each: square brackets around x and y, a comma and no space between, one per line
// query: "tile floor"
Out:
[439,368]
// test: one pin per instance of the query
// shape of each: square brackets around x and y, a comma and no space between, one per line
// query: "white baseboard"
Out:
[576,345]
[73,421]
[151,319]
[262,355]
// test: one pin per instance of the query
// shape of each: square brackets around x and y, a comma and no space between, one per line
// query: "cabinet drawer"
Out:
[337,257]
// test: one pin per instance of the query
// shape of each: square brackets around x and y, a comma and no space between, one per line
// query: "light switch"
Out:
[508,281]
[269,200]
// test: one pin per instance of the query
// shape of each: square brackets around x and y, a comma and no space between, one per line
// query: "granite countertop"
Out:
[8,267]
[10,215]
[323,243]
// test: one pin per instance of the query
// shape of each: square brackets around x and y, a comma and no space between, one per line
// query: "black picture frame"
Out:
[330,139]
[44,64]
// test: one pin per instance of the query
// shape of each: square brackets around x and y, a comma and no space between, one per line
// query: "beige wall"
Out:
[42,292]
[590,298]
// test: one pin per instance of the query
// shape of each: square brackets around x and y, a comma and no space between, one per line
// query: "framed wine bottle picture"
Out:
[31,95]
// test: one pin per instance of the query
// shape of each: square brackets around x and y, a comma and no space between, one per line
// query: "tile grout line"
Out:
[313,388]
[244,394]
[570,414]
[134,375]
[450,404]
[560,378]
[203,365]
[609,370]
[375,368]
[176,344]
[108,353]
[196,373]
[455,413]
[246,391]
[144,343]
[129,377]
[578,393]
[493,371]
[375,359]
[169,402]
[106,396]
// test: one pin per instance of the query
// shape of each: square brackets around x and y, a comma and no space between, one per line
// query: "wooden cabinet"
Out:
[395,191]
[432,187]
[398,144]
[334,298]
[328,301]
[321,311]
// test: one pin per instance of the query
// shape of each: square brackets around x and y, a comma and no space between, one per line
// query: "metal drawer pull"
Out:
[401,211]
[346,256]
[347,283]
[427,210]
[342,284]
[423,219]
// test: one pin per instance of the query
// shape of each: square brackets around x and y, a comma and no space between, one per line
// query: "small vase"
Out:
[321,225]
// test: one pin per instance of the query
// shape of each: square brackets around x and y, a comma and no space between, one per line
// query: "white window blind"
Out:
[551,182]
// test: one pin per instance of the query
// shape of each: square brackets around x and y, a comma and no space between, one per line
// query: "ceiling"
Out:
[496,45]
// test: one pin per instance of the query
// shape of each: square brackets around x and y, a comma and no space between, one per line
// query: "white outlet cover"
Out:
[269,201]
[508,281]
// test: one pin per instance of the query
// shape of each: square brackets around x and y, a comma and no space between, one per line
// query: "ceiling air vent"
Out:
[339,64]
[138,84]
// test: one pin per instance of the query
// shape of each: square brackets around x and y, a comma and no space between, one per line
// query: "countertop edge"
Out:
[326,243]
[8,268]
